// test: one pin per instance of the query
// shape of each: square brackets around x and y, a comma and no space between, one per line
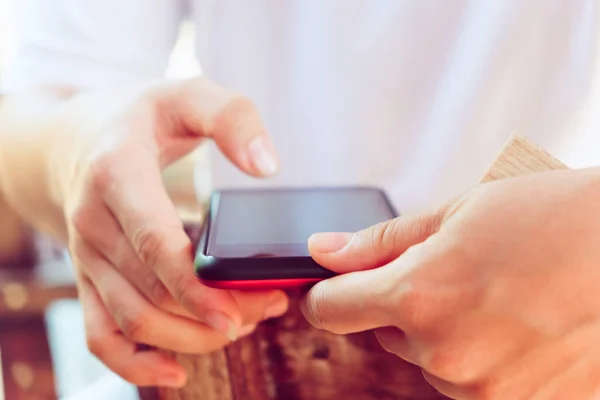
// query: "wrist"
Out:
[63,145]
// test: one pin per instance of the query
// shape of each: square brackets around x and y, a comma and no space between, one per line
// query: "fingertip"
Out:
[168,372]
[262,157]
[278,306]
[222,323]
[328,242]
[216,307]
[261,304]
[247,330]
[172,380]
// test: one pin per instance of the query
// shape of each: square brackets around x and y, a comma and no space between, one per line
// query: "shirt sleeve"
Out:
[90,44]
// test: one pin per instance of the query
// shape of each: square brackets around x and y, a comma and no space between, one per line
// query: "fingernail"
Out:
[174,381]
[329,242]
[276,309]
[247,329]
[262,156]
[222,323]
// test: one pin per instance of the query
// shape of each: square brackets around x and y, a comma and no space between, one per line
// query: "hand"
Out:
[132,257]
[494,296]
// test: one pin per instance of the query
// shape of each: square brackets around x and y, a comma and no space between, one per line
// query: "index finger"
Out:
[199,107]
[132,188]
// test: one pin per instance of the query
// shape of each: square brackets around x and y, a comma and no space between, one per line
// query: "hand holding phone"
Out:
[257,238]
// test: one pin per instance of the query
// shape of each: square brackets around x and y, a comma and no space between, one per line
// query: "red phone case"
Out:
[261,284]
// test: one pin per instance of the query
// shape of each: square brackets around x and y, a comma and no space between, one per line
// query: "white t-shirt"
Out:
[414,96]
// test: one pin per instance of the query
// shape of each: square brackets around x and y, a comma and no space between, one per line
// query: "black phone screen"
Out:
[278,222]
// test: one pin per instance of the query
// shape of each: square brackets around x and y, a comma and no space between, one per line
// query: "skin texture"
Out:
[494,295]
[86,168]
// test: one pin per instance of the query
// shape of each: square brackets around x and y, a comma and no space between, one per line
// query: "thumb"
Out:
[199,108]
[372,247]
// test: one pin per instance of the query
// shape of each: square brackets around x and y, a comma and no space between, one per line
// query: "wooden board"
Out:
[520,156]
[286,359]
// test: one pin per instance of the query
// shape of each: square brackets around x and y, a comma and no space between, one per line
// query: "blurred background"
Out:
[5,30]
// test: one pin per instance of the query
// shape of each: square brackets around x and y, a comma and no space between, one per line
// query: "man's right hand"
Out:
[132,257]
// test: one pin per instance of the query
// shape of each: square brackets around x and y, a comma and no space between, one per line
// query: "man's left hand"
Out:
[495,295]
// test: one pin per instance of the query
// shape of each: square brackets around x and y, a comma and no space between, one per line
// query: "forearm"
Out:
[28,133]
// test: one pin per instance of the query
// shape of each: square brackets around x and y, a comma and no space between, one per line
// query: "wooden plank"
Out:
[286,359]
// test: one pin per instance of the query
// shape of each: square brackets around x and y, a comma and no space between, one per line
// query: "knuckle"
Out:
[451,364]
[154,244]
[238,104]
[367,237]
[182,286]
[378,235]
[95,344]
[157,292]
[134,326]
[147,244]
[81,217]
[235,108]
[412,305]
[389,232]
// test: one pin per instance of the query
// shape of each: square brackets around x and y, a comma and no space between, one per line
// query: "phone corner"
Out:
[202,263]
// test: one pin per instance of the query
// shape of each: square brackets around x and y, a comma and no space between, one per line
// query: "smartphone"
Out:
[257,238]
